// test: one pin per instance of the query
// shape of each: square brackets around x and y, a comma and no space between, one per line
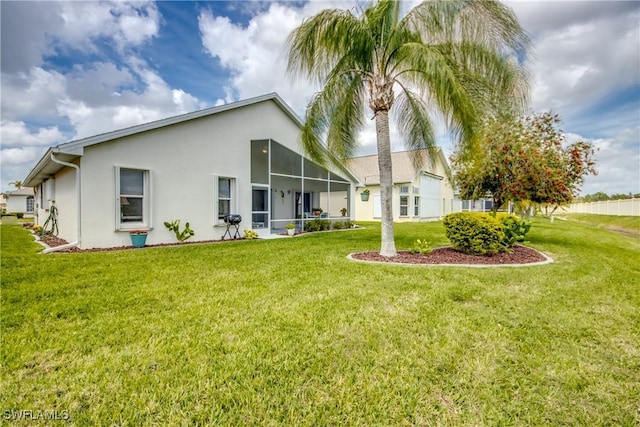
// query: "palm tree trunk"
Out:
[388,245]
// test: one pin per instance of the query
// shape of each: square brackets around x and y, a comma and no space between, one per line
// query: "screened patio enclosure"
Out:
[287,188]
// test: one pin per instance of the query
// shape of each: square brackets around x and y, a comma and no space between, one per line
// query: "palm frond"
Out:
[414,123]
[487,22]
[335,114]
[318,44]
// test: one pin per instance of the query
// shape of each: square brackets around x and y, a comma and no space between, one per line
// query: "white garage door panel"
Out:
[430,203]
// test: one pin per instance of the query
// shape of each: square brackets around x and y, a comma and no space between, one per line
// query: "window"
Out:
[224,197]
[132,187]
[416,206]
[404,189]
[404,205]
[30,202]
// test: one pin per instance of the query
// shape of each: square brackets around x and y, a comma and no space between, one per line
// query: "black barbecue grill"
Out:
[232,220]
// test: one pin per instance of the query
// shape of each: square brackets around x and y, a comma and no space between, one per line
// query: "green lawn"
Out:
[289,332]
[630,224]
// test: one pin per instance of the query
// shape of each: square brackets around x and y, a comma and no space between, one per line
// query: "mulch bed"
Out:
[53,241]
[520,255]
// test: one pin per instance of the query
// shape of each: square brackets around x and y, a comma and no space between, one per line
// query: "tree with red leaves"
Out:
[524,160]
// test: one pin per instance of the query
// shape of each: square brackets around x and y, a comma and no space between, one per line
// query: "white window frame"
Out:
[406,206]
[41,196]
[33,204]
[233,205]
[416,205]
[146,201]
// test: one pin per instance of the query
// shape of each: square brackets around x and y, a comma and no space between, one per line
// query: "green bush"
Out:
[180,235]
[317,225]
[515,229]
[421,247]
[474,233]
[250,234]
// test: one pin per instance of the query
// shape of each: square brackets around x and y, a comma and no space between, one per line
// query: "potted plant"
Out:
[343,211]
[291,229]
[316,211]
[364,196]
[138,238]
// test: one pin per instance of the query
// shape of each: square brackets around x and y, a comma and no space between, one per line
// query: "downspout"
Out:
[78,199]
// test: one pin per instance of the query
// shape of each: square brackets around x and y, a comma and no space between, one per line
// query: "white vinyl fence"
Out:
[623,207]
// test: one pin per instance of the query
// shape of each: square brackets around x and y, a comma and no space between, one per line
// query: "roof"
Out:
[403,170]
[71,150]
[22,191]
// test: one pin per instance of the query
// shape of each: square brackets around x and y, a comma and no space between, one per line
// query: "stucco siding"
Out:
[66,204]
[17,204]
[182,161]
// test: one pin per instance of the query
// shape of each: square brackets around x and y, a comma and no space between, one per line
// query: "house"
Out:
[418,195]
[241,158]
[20,201]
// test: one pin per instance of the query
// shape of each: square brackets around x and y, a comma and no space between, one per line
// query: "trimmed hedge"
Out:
[478,233]
[474,233]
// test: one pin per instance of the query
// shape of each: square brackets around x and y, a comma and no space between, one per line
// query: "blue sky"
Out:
[74,69]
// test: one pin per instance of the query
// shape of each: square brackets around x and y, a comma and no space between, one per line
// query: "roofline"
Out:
[77,146]
[441,155]
[35,171]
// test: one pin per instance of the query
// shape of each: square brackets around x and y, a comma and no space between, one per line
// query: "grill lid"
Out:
[233,219]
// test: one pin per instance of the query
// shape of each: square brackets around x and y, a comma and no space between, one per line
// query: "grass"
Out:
[289,332]
[629,224]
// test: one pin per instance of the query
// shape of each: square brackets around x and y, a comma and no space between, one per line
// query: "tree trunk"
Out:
[388,245]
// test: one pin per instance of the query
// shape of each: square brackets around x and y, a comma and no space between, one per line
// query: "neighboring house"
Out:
[20,201]
[418,195]
[241,158]
[480,205]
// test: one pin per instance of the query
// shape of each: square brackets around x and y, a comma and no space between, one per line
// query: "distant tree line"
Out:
[601,196]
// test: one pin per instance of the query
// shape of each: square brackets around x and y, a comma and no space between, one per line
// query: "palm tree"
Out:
[17,184]
[459,57]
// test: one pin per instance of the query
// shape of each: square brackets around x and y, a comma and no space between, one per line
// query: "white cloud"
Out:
[20,156]
[114,107]
[582,50]
[32,30]
[34,92]
[126,23]
[16,134]
[256,54]
[16,162]
[115,92]
[617,162]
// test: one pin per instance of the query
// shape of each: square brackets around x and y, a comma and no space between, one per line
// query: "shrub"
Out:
[474,233]
[180,235]
[515,229]
[421,247]
[250,234]
[317,225]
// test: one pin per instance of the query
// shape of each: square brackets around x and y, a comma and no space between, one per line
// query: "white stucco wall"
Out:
[66,202]
[182,160]
[444,200]
[17,203]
